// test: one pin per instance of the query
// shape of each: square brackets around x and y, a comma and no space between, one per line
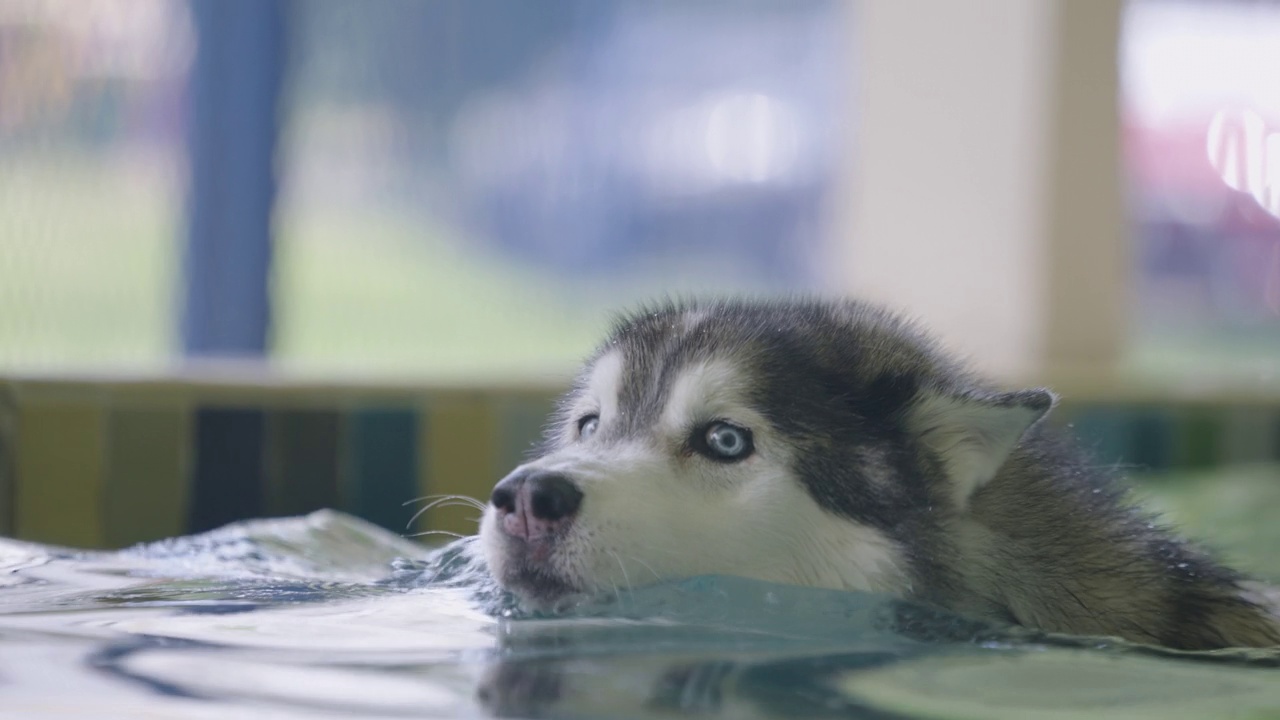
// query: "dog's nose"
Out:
[534,504]
[506,491]
[553,497]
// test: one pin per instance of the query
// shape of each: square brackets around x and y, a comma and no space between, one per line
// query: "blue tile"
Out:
[382,466]
[302,461]
[228,479]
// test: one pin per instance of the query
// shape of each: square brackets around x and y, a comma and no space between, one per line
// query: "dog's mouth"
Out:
[528,572]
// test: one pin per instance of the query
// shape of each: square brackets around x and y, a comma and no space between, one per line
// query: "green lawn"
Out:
[89,278]
[89,273]
[376,293]
[87,262]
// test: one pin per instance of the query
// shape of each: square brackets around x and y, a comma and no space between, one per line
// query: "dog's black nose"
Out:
[552,497]
[505,492]
[534,503]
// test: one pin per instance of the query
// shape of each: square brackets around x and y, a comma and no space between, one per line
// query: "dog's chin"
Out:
[541,591]
[526,571]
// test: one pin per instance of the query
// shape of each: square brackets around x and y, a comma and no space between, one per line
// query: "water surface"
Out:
[327,616]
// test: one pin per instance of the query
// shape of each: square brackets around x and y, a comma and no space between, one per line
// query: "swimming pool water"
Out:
[327,616]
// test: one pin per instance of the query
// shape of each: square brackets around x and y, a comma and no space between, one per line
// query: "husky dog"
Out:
[832,444]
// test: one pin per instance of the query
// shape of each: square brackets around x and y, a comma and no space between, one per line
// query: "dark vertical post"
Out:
[232,127]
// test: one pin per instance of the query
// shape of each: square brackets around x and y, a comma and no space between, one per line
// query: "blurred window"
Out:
[1201,125]
[470,184]
[465,185]
[91,167]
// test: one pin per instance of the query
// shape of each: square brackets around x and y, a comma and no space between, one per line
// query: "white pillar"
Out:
[981,190]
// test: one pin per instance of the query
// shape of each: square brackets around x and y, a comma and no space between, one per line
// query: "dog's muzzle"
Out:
[535,505]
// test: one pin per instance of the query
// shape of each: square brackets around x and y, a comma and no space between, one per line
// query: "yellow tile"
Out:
[147,480]
[8,448]
[59,493]
[459,453]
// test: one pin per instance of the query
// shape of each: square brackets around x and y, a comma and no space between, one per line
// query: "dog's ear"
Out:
[973,435]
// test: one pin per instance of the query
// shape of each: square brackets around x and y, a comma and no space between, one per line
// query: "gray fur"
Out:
[1049,540]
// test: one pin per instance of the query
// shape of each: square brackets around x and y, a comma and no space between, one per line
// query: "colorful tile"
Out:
[302,461]
[460,439]
[1274,455]
[1199,439]
[60,478]
[8,456]
[228,479]
[382,467]
[1103,431]
[520,424]
[1250,435]
[1151,435]
[148,485]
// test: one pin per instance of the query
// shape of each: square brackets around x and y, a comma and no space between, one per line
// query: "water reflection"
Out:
[328,616]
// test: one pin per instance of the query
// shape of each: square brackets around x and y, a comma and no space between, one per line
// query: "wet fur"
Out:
[983,509]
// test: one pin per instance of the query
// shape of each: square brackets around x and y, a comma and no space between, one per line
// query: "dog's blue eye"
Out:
[727,442]
[587,426]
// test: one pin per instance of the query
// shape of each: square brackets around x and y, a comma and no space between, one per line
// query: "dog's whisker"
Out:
[442,506]
[450,533]
[437,498]
[617,594]
[452,503]
[446,501]
[623,567]
[647,566]
[421,498]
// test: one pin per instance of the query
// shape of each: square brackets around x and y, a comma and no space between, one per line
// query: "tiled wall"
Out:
[111,464]
[108,464]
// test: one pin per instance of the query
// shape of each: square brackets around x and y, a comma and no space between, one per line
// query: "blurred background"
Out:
[263,256]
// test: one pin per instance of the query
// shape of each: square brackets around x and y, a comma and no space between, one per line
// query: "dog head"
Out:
[800,442]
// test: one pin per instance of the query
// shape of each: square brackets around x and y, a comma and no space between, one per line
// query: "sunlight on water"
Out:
[326,616]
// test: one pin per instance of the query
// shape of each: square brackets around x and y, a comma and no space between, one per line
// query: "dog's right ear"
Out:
[973,435]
